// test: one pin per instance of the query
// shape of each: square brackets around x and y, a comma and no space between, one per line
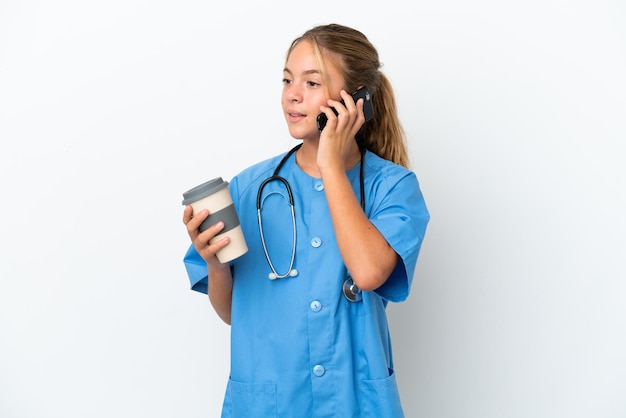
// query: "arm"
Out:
[367,255]
[365,252]
[221,281]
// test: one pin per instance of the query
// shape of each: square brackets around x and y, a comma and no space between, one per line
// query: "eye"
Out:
[313,84]
[286,81]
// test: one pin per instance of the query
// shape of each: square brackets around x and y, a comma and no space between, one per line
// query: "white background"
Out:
[516,118]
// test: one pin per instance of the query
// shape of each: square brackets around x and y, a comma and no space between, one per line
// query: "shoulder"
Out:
[252,176]
[391,186]
[383,173]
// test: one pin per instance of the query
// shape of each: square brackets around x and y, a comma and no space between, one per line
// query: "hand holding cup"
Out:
[213,217]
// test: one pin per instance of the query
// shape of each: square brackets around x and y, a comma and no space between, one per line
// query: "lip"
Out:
[293,116]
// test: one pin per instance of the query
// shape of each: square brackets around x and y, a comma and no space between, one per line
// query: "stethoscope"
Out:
[350,290]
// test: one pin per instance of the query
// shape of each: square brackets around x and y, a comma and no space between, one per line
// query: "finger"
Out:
[206,244]
[331,117]
[187,214]
[341,107]
[348,101]
[354,111]
[194,222]
[214,247]
[208,234]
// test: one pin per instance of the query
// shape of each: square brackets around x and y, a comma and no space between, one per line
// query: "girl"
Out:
[310,339]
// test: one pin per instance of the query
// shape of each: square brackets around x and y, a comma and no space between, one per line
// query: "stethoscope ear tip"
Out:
[274,276]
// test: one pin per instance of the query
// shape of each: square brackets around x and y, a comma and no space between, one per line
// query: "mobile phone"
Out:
[368,110]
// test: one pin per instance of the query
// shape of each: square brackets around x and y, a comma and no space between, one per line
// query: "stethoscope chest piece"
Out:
[351,291]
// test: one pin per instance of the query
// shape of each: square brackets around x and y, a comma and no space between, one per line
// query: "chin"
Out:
[299,133]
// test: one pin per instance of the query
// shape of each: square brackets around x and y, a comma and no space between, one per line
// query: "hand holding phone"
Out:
[368,110]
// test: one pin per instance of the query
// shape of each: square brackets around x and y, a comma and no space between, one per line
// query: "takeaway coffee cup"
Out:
[215,196]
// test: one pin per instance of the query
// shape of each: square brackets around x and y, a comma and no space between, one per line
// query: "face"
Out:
[305,90]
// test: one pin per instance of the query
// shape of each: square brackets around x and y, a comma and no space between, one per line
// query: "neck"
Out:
[306,158]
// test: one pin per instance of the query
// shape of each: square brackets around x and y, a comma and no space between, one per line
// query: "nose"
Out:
[293,94]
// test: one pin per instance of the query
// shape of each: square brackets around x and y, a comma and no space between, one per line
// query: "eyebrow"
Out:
[307,72]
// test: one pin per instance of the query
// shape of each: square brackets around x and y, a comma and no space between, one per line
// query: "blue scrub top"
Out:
[299,348]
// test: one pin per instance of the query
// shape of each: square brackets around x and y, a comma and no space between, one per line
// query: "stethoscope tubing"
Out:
[350,290]
[290,271]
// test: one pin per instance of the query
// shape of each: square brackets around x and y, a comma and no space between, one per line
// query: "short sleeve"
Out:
[401,217]
[196,270]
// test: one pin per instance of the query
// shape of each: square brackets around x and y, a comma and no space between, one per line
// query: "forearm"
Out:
[220,290]
[365,252]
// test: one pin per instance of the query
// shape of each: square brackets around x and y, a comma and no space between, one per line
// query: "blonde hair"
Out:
[359,65]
